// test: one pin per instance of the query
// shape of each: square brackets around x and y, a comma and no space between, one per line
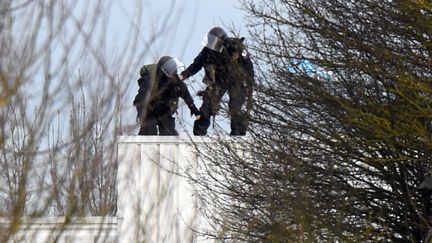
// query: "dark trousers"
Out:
[150,123]
[211,103]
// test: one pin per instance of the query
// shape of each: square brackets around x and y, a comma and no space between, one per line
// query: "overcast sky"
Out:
[197,17]
[188,22]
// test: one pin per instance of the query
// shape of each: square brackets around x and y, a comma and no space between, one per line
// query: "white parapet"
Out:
[155,199]
[63,230]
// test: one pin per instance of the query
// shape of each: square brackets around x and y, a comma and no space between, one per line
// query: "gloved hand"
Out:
[201,93]
[194,110]
[182,76]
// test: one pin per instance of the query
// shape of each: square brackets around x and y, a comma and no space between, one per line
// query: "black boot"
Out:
[200,127]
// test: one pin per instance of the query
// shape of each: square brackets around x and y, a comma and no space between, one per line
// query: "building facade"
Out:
[156,201]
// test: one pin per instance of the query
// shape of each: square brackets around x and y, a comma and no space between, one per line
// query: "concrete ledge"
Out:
[178,139]
[163,139]
[156,202]
[63,230]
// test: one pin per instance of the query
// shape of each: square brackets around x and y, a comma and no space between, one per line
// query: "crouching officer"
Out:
[158,95]
[228,67]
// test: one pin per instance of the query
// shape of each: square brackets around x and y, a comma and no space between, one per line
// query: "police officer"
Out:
[157,98]
[228,67]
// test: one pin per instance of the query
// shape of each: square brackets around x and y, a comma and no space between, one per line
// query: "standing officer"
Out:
[228,67]
[157,98]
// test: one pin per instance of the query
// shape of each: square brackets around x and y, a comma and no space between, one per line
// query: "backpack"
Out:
[240,69]
[148,69]
[233,44]
[147,74]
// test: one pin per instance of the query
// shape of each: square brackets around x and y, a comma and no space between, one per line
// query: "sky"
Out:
[193,19]
[187,23]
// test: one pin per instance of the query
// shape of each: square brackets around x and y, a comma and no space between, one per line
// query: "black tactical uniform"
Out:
[157,98]
[228,67]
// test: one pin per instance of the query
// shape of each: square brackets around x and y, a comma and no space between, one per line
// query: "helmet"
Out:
[170,66]
[215,39]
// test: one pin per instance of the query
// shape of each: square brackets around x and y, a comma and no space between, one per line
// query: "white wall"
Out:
[62,230]
[156,202]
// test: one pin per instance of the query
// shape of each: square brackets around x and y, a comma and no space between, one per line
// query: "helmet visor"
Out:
[213,42]
[172,67]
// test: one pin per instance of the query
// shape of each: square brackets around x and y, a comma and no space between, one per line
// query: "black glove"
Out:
[201,93]
[184,75]
[194,110]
